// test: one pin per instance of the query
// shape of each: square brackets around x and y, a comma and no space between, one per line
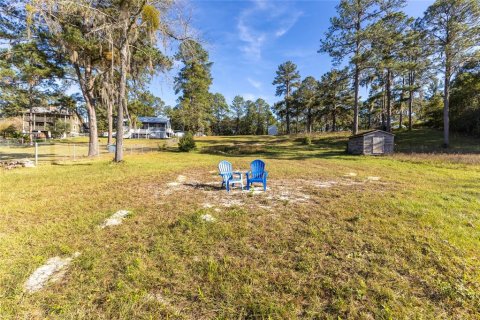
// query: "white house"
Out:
[154,127]
[272,130]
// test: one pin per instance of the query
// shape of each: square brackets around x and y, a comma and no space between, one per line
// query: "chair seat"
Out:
[229,177]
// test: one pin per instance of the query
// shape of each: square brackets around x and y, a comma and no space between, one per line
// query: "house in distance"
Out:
[375,142]
[154,127]
[42,121]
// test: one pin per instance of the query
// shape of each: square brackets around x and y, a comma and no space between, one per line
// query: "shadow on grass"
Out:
[71,164]
[204,186]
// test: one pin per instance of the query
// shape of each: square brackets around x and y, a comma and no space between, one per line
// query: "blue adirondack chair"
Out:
[257,173]
[228,175]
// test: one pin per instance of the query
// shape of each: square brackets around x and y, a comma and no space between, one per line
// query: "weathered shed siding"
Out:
[355,145]
[375,142]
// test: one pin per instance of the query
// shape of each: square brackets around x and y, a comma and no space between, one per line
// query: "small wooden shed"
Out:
[375,142]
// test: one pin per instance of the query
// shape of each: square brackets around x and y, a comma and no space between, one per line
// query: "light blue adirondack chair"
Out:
[228,175]
[257,173]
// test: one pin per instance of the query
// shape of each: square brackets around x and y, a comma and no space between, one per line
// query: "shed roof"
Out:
[371,131]
[153,119]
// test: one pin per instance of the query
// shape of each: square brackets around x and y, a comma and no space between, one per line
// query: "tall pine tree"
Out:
[193,82]
[286,80]
[453,27]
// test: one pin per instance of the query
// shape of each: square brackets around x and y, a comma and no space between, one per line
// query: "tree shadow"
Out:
[204,186]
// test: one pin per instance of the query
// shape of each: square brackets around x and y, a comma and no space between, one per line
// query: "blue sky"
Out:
[247,40]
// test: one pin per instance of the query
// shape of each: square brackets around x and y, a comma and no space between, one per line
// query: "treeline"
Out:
[412,69]
[240,117]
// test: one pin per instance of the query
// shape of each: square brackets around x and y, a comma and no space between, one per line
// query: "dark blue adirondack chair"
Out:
[257,173]
[227,174]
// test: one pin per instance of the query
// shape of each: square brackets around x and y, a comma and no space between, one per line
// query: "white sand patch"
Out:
[207,218]
[373,178]
[325,184]
[52,271]
[173,184]
[350,174]
[207,205]
[29,164]
[115,219]
[217,210]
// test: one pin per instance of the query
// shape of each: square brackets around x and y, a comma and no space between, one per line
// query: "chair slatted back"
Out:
[225,168]
[258,168]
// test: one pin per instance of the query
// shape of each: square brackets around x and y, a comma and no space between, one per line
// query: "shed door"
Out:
[377,145]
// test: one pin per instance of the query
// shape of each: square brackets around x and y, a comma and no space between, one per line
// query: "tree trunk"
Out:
[400,115]
[122,94]
[309,121]
[334,119]
[389,100]
[86,86]
[110,123]
[356,81]
[410,100]
[30,123]
[384,125]
[355,106]
[400,118]
[370,109]
[287,110]
[446,101]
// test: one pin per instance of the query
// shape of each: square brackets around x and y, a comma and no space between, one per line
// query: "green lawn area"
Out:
[335,236]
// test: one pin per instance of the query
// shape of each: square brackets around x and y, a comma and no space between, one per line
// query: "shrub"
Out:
[307,140]
[186,143]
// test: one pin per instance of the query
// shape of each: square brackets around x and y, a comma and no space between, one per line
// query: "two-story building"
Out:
[154,127]
[43,120]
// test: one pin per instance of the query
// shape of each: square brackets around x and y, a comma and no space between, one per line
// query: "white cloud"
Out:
[254,83]
[287,24]
[265,21]
[254,41]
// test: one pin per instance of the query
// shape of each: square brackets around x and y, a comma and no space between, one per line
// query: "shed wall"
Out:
[355,145]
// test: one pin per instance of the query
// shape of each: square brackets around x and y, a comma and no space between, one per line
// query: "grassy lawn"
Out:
[335,236]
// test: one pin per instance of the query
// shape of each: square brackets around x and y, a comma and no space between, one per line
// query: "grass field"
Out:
[334,237]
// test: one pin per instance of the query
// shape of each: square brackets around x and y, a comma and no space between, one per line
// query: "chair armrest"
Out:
[224,176]
[238,173]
